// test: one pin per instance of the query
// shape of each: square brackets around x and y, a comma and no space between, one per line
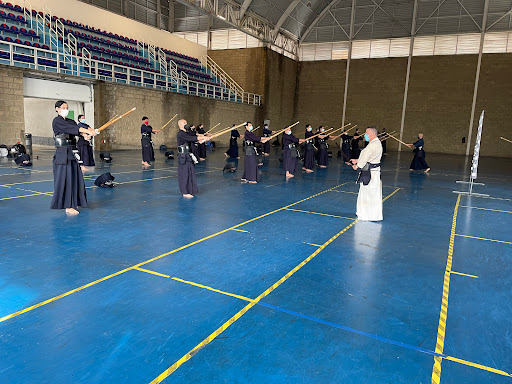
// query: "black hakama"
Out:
[186,169]
[148,154]
[266,146]
[323,156]
[290,155]
[251,158]
[345,147]
[232,152]
[68,180]
[309,152]
[86,152]
[355,148]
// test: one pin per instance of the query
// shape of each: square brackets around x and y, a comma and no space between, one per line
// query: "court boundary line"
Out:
[443,314]
[485,209]
[483,238]
[244,310]
[55,298]
[319,213]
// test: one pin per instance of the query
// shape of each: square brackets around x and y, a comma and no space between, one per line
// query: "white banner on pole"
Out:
[476,153]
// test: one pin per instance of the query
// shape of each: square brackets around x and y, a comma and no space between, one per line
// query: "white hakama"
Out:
[369,199]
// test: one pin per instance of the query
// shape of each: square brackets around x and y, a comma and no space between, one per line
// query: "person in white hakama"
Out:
[369,199]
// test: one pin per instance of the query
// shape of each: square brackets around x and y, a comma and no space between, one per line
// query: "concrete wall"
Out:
[160,106]
[100,18]
[12,128]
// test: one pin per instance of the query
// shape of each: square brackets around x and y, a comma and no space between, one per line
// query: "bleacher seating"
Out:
[106,48]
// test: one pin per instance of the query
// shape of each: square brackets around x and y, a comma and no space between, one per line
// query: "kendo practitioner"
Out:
[384,142]
[146,130]
[323,156]
[345,147]
[251,162]
[68,180]
[202,146]
[369,198]
[187,160]
[418,162]
[85,146]
[355,144]
[309,150]
[232,152]
[266,145]
[193,146]
[290,152]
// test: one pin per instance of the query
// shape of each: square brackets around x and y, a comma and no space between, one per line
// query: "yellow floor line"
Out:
[322,214]
[152,272]
[12,315]
[42,193]
[486,209]
[483,238]
[19,197]
[464,274]
[240,230]
[314,245]
[475,365]
[240,313]
[441,329]
[391,194]
[489,197]
[212,289]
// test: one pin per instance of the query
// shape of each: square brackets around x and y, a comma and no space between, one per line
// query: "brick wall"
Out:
[160,106]
[245,66]
[12,128]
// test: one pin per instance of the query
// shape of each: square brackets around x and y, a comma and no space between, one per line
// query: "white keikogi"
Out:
[369,199]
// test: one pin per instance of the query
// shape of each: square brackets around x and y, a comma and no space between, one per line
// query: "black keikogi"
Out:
[290,153]
[146,131]
[251,160]
[202,146]
[85,148]
[309,151]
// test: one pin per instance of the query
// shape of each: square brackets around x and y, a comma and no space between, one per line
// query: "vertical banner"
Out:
[476,153]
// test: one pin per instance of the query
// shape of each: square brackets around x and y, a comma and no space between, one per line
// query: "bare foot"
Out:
[288,174]
[71,212]
[83,168]
[410,169]
[188,196]
[253,182]
[146,164]
[238,157]
[309,171]
[322,166]
[267,154]
[201,159]
[304,168]
[426,170]
[243,180]
[225,154]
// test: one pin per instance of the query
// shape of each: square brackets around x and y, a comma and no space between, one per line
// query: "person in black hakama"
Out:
[345,147]
[355,144]
[68,180]
[418,162]
[251,155]
[309,151]
[266,145]
[290,152]
[146,130]
[191,129]
[85,146]
[186,159]
[323,156]
[232,152]
[202,146]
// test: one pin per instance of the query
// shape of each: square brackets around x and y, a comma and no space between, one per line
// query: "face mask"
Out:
[366,137]
[64,112]
[249,128]
[322,130]
[310,129]
[146,122]
[289,132]
[82,121]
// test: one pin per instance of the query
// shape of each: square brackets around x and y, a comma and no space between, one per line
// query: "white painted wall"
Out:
[39,114]
[75,10]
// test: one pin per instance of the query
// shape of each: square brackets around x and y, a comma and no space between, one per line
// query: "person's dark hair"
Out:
[308,125]
[248,123]
[80,116]
[59,103]
[145,118]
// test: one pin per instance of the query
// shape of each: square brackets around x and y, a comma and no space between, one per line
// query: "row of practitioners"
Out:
[69,186]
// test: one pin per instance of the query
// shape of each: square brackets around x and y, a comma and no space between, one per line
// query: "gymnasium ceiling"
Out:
[293,22]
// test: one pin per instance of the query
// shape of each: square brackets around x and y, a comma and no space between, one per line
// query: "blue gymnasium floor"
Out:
[266,283]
